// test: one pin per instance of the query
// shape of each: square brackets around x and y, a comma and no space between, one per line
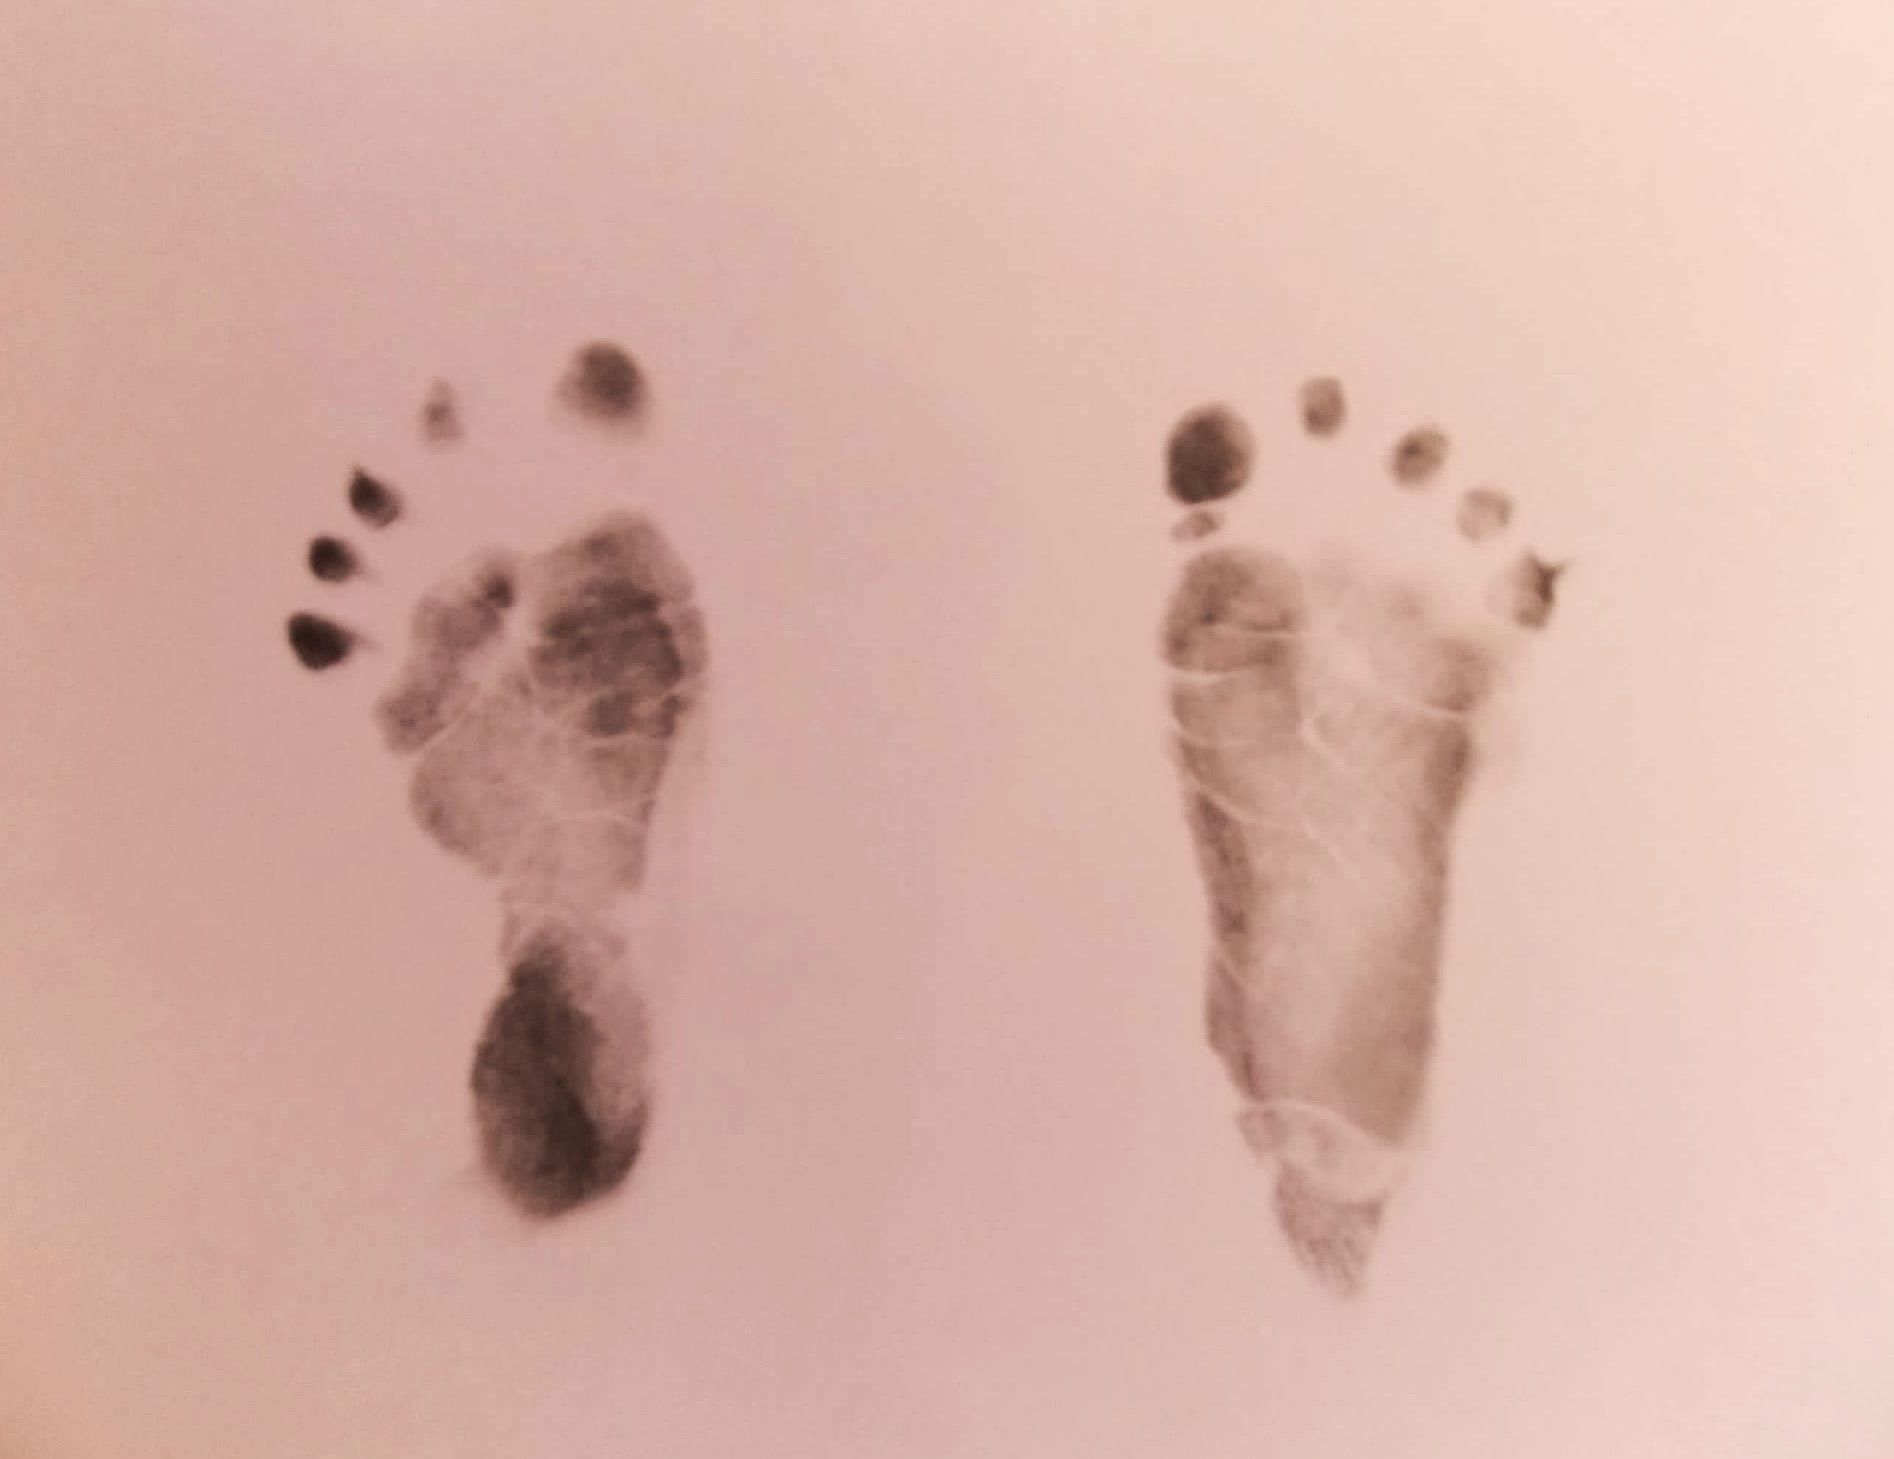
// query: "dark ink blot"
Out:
[1324,408]
[1208,456]
[440,415]
[319,643]
[534,1096]
[375,502]
[1418,455]
[332,559]
[1484,513]
[604,382]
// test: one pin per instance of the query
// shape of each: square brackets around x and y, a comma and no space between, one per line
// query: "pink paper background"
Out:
[944,1169]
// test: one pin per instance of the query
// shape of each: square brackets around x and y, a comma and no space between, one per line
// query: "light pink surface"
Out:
[944,1169]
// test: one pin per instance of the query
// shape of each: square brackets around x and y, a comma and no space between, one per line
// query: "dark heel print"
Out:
[1323,728]
[560,1103]
[541,695]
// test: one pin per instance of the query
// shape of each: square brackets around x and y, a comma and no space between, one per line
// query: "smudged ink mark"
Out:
[374,501]
[1419,455]
[604,382]
[1208,456]
[318,643]
[1324,407]
[332,559]
[1484,513]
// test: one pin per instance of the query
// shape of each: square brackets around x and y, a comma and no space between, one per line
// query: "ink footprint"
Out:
[1326,688]
[543,701]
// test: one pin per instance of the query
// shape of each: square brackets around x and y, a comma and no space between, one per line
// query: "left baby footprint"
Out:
[543,698]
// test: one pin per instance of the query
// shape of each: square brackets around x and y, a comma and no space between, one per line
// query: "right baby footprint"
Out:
[1327,673]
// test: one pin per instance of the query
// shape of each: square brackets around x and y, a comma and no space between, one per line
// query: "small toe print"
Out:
[1484,513]
[604,382]
[1324,408]
[374,501]
[1418,455]
[440,415]
[332,560]
[318,643]
[1209,456]
[1528,591]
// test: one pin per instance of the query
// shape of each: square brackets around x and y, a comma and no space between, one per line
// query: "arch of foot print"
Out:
[1324,713]
[542,698]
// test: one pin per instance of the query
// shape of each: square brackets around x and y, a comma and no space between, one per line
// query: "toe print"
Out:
[374,501]
[332,559]
[603,383]
[1324,711]
[1209,456]
[318,642]
[1528,590]
[540,699]
[1324,408]
[440,415]
[1419,455]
